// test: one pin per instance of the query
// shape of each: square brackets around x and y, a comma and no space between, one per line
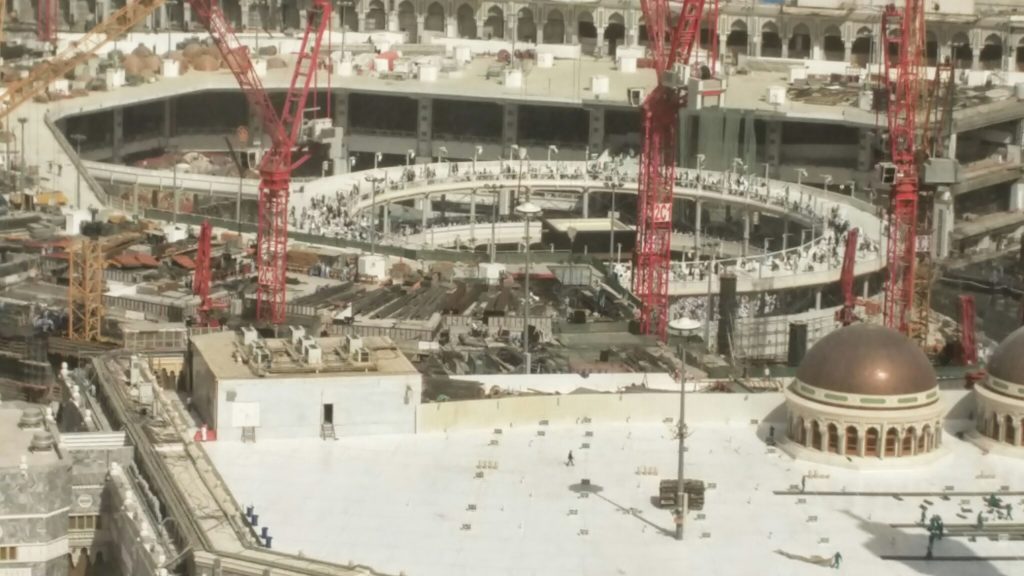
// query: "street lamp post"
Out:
[174,188]
[552,149]
[376,159]
[529,210]
[615,185]
[682,327]
[22,120]
[700,190]
[476,152]
[519,184]
[828,180]
[410,155]
[853,188]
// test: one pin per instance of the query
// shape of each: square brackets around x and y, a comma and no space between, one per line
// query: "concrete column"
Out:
[510,129]
[424,125]
[817,50]
[244,6]
[945,51]
[361,18]
[340,109]
[164,22]
[847,51]
[118,133]
[746,232]
[943,224]
[865,150]
[1017,196]
[186,16]
[785,47]
[951,146]
[862,441]
[393,22]
[596,138]
[755,45]
[504,202]
[975,57]
[425,209]
[472,220]
[451,28]
[585,200]
[773,142]
[168,127]
[817,299]
[387,218]
[420,25]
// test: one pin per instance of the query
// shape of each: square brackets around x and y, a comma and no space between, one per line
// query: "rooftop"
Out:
[16,440]
[475,502]
[229,358]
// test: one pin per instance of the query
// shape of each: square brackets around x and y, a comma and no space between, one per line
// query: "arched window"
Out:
[924,441]
[871,442]
[771,42]
[738,39]
[832,44]
[991,57]
[466,19]
[833,438]
[892,438]
[851,440]
[908,441]
[1008,428]
[554,28]
[800,42]
[435,18]
[494,26]
[798,431]
[816,438]
[407,21]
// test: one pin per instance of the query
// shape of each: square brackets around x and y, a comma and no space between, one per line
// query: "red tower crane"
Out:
[46,20]
[670,44]
[276,166]
[202,280]
[903,38]
[846,315]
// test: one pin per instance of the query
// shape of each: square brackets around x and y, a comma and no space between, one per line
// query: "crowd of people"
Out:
[336,216]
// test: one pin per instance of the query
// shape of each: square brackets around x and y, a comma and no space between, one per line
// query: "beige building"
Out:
[865,391]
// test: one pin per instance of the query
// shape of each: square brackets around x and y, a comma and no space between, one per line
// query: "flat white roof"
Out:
[414,504]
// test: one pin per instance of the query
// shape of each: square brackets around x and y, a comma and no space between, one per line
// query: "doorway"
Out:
[328,415]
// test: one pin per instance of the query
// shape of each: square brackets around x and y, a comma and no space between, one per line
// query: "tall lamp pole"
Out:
[374,182]
[682,328]
[529,210]
[174,187]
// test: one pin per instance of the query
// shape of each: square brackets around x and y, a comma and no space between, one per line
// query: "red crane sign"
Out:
[277,163]
[903,37]
[670,44]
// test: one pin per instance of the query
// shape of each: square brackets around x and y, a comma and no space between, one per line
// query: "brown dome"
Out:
[869,360]
[1007,362]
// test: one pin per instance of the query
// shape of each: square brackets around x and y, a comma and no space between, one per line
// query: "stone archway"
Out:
[407,21]
[376,17]
[615,32]
[434,20]
[738,40]
[852,440]
[586,32]
[1008,429]
[799,431]
[554,27]
[1020,55]
[771,41]
[908,441]
[466,19]
[832,44]
[863,48]
[892,439]
[871,442]
[833,438]
[526,29]
[924,440]
[494,26]
[800,42]
[991,56]
[963,54]
[816,436]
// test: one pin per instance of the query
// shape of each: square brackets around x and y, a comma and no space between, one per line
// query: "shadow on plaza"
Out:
[951,557]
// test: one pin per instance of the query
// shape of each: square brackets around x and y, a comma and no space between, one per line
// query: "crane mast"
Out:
[671,44]
[203,278]
[277,163]
[903,36]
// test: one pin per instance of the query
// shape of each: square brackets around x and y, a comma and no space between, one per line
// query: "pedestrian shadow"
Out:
[816,560]
[951,557]
[595,490]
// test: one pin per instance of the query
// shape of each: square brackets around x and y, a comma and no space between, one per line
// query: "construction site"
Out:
[264,264]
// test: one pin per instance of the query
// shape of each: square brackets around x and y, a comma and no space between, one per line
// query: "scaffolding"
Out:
[85,291]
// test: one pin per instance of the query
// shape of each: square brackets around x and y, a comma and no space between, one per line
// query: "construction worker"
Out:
[981,521]
[1009,511]
[837,560]
[803,483]
[924,511]
[570,461]
[931,544]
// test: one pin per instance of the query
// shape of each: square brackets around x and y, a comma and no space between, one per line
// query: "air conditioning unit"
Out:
[636,96]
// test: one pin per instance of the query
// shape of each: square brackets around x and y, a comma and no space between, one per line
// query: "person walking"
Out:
[837,560]
[1009,511]
[571,461]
